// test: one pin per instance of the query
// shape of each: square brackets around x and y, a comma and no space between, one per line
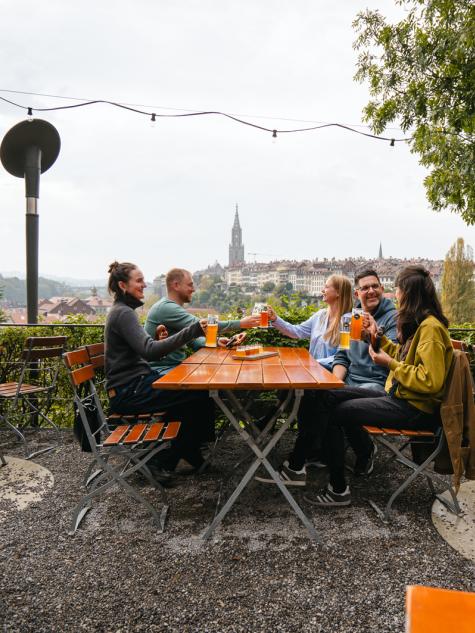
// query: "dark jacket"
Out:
[128,347]
[357,360]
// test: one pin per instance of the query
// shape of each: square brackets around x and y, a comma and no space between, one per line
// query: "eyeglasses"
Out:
[364,289]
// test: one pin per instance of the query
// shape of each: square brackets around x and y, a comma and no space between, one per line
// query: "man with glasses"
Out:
[355,366]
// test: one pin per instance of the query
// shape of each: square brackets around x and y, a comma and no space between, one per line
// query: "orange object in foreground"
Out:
[434,610]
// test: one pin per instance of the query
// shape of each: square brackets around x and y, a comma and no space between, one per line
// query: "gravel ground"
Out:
[259,573]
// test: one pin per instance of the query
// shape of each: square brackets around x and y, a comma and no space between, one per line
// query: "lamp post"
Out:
[28,149]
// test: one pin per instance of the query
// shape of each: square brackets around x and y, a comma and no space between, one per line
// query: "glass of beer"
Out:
[356,324]
[345,323]
[212,331]
[264,317]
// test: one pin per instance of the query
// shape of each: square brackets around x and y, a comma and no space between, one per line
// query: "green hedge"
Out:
[12,341]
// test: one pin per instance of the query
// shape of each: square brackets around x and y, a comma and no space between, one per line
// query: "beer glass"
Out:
[264,317]
[345,323]
[356,324]
[212,331]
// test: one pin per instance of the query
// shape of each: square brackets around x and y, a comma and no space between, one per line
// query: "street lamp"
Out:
[28,150]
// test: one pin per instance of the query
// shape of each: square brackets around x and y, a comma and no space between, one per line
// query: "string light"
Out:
[30,114]
[153,116]
[153,119]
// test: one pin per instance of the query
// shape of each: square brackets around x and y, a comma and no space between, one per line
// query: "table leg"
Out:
[261,458]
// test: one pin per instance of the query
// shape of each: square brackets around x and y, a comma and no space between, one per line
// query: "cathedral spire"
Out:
[380,254]
[236,248]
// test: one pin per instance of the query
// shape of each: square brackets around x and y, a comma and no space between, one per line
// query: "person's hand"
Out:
[370,327]
[222,341]
[250,321]
[204,325]
[161,333]
[379,358]
[272,313]
[239,338]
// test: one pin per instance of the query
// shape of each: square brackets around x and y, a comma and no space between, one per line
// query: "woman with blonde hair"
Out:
[323,330]
[323,327]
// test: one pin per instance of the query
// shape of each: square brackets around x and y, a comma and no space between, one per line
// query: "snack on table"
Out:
[248,350]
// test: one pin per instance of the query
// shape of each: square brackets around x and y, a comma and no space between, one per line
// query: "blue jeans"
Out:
[194,409]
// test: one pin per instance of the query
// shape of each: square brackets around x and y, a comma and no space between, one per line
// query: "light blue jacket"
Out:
[313,328]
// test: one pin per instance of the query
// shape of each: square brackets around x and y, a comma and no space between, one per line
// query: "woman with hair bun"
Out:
[129,377]
[418,368]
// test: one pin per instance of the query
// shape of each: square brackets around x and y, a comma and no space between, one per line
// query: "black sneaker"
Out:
[329,498]
[288,476]
[365,466]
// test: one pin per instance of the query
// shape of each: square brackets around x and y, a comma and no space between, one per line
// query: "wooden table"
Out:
[292,370]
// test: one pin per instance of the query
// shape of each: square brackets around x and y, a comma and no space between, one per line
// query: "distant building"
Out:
[236,248]
[98,304]
[64,306]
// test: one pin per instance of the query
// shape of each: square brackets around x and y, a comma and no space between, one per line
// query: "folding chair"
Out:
[130,445]
[429,445]
[30,398]
[435,610]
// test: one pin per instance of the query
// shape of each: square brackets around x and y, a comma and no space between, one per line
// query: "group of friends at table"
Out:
[401,384]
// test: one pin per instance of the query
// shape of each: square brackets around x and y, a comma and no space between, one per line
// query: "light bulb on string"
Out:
[153,120]
[274,136]
[29,115]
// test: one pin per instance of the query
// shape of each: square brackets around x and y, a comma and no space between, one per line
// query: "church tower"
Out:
[380,254]
[236,248]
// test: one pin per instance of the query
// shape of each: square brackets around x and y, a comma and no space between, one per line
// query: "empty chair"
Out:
[29,399]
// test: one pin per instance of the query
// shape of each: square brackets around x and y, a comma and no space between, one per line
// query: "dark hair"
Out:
[119,272]
[365,272]
[418,301]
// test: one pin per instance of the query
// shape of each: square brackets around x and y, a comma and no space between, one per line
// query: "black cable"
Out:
[153,115]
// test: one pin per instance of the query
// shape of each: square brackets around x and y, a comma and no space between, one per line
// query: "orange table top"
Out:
[292,368]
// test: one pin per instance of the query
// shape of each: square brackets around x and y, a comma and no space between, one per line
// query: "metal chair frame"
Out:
[129,457]
[437,440]
[40,366]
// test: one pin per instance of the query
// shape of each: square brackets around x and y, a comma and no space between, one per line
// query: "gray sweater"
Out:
[128,347]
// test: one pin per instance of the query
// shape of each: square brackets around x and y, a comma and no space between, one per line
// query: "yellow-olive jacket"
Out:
[422,375]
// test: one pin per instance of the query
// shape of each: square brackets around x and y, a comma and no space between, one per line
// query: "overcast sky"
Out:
[164,196]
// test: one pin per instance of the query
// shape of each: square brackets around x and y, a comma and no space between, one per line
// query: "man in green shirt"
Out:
[170,312]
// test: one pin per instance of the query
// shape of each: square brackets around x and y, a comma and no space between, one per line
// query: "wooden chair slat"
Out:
[38,354]
[45,341]
[116,435]
[373,430]
[171,431]
[412,433]
[154,432]
[82,374]
[135,434]
[391,431]
[76,357]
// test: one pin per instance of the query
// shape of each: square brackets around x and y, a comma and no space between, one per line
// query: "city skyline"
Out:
[162,196]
